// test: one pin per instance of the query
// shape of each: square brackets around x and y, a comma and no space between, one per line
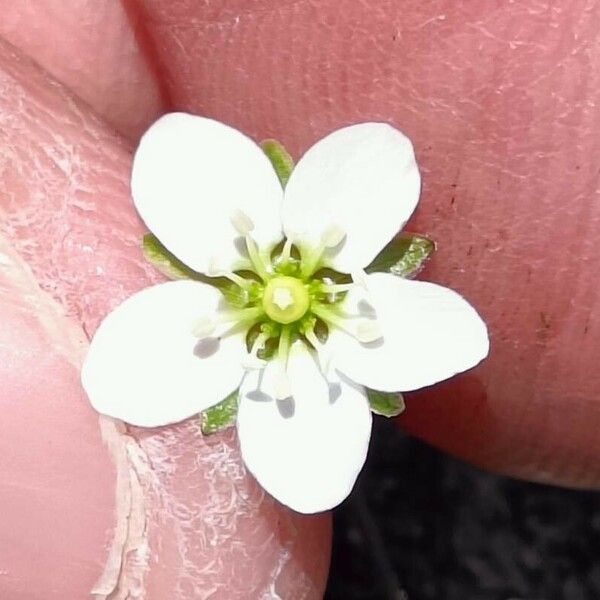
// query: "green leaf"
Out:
[168,264]
[386,404]
[404,256]
[220,416]
[282,162]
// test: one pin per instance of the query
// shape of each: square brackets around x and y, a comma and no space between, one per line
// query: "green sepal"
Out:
[220,416]
[404,256]
[169,265]
[386,404]
[280,158]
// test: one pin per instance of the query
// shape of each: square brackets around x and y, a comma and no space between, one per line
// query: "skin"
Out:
[500,100]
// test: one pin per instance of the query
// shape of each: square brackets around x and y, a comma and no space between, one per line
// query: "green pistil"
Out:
[285,299]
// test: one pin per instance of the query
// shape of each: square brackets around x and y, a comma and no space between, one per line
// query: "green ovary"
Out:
[285,299]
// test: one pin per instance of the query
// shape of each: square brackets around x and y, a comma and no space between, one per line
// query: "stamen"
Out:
[368,331]
[213,270]
[309,262]
[325,359]
[335,288]
[259,263]
[244,225]
[206,326]
[251,362]
[283,388]
[283,350]
[365,331]
[366,311]
[293,234]
[286,253]
[323,354]
[311,336]
[331,238]
[359,277]
[241,222]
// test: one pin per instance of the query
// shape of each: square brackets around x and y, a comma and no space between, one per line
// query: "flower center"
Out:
[283,296]
[285,299]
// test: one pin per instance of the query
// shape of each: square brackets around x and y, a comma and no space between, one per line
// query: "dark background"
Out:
[423,526]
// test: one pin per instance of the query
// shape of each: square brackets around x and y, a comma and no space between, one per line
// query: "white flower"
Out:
[213,199]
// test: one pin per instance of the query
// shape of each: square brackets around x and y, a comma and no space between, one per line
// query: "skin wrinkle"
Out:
[117,581]
[500,100]
[182,536]
[218,510]
[83,182]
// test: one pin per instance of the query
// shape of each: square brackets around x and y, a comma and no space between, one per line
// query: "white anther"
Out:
[359,277]
[292,235]
[204,327]
[282,298]
[367,331]
[251,362]
[213,269]
[241,222]
[332,236]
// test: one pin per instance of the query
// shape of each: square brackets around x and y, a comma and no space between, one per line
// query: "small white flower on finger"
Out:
[282,303]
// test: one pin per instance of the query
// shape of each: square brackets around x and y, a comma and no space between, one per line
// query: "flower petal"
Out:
[430,333]
[306,451]
[362,179]
[144,366]
[190,174]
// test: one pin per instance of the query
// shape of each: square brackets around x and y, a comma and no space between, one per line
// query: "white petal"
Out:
[144,366]
[306,452]
[430,333]
[190,176]
[362,179]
